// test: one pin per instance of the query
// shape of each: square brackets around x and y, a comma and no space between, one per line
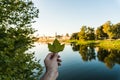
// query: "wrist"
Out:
[50,75]
[53,74]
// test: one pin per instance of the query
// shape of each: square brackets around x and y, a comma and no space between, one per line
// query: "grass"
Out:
[107,44]
[86,42]
[82,42]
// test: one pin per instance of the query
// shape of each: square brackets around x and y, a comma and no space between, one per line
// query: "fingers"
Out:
[57,57]
[53,57]
[59,61]
[48,56]
[59,64]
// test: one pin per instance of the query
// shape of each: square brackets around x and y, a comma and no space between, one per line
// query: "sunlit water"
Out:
[75,68]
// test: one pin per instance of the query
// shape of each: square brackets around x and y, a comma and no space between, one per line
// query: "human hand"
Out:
[52,61]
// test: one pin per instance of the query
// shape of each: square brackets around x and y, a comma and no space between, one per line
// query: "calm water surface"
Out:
[84,63]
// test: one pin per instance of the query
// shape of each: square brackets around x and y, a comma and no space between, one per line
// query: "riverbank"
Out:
[111,44]
[83,42]
[63,41]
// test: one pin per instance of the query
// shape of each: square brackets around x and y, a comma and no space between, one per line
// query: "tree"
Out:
[82,33]
[100,33]
[90,34]
[74,36]
[107,28]
[16,63]
[86,33]
[67,35]
[116,30]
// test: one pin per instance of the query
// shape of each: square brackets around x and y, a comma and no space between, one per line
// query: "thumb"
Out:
[55,56]
[48,57]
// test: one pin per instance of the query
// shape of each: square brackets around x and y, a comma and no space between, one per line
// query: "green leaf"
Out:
[56,46]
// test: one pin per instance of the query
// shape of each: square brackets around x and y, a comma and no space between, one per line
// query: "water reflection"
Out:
[109,56]
[89,52]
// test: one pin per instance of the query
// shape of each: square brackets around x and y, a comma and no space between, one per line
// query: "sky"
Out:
[67,16]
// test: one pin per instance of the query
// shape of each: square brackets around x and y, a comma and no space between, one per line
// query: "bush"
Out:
[16,63]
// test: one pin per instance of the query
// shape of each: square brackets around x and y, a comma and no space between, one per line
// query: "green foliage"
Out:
[105,31]
[100,34]
[82,33]
[16,38]
[110,44]
[86,33]
[56,46]
[116,31]
[88,42]
[19,13]
[74,36]
[107,28]
[90,34]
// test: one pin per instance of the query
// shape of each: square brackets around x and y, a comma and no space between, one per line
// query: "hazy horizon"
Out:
[67,16]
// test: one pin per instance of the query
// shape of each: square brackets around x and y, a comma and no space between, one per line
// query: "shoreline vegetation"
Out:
[106,35]
[50,39]
[63,41]
[107,44]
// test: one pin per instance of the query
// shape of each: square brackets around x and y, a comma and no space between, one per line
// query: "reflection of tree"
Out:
[102,53]
[87,53]
[109,57]
[75,47]
[91,52]
[83,52]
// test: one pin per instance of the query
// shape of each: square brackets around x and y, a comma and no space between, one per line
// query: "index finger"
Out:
[48,57]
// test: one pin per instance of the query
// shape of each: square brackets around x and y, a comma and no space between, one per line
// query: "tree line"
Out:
[105,31]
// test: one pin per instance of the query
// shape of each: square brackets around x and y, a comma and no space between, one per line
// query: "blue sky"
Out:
[67,16]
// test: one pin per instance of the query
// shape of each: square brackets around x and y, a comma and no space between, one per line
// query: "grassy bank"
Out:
[83,42]
[108,44]
[51,40]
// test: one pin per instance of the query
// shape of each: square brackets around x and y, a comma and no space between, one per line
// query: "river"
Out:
[84,62]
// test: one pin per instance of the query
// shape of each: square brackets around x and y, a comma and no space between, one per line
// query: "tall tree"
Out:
[82,33]
[90,34]
[107,28]
[100,33]
[16,63]
[86,33]
[74,36]
[116,30]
